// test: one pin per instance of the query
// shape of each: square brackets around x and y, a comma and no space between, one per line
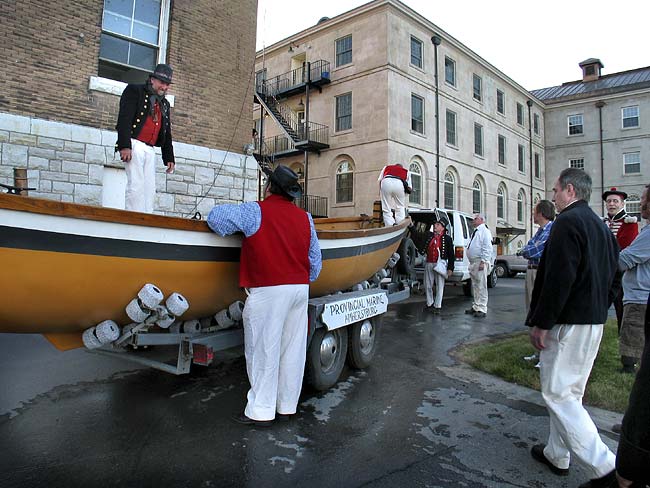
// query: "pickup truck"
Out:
[508,265]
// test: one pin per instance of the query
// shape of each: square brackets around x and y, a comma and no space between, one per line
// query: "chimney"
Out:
[591,69]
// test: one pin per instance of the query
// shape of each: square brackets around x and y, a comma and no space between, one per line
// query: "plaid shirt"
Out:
[533,250]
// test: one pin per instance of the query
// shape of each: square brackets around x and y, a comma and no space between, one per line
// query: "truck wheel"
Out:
[326,357]
[467,288]
[362,342]
[492,279]
[407,253]
[501,270]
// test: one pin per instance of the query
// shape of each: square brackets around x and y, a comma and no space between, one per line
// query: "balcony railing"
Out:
[319,73]
[315,205]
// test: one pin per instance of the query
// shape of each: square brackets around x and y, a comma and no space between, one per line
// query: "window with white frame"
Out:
[632,162]
[575,124]
[521,158]
[477,197]
[501,102]
[450,71]
[344,112]
[633,205]
[344,50]
[521,205]
[478,139]
[416,52]
[578,163]
[501,201]
[416,182]
[536,123]
[502,149]
[133,39]
[537,166]
[344,182]
[477,87]
[520,114]
[417,114]
[450,190]
[451,127]
[630,116]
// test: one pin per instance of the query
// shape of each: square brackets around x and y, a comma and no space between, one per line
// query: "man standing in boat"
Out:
[394,184]
[144,122]
[280,256]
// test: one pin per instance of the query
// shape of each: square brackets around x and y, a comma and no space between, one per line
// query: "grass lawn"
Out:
[607,387]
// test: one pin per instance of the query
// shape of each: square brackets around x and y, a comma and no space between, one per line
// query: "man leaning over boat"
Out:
[280,256]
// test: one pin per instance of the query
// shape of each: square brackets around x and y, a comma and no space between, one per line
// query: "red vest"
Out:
[278,253]
[397,171]
[151,128]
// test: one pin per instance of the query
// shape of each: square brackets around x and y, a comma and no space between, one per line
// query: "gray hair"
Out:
[480,216]
[580,181]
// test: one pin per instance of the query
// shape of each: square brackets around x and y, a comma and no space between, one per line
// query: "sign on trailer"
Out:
[344,312]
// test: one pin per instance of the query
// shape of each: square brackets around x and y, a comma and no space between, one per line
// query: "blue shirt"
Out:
[247,218]
[635,261]
[535,247]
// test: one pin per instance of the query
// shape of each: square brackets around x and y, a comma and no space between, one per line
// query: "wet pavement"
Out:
[416,417]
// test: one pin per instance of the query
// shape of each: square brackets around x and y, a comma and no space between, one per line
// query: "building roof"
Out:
[613,83]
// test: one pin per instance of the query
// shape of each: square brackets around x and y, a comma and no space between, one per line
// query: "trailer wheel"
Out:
[362,342]
[407,253]
[326,357]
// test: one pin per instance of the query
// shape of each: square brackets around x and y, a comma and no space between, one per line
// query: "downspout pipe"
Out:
[529,103]
[600,104]
[436,40]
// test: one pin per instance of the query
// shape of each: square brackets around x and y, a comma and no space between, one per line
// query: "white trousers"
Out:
[392,196]
[433,280]
[275,344]
[479,286]
[140,178]
[565,365]
[530,284]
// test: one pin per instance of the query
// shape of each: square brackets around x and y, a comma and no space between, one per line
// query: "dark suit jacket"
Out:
[134,107]
[575,281]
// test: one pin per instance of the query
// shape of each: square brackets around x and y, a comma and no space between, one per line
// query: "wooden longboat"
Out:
[66,267]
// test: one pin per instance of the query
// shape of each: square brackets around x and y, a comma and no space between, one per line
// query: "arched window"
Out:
[450,190]
[477,197]
[521,205]
[344,182]
[501,202]
[538,197]
[416,181]
[633,205]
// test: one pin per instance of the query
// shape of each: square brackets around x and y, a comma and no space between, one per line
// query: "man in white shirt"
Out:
[479,253]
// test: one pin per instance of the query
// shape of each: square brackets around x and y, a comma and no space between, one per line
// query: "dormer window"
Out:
[591,69]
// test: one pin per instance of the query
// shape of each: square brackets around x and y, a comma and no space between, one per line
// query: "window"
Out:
[478,139]
[537,169]
[477,85]
[416,52]
[578,163]
[502,150]
[632,162]
[344,50]
[538,197]
[477,197]
[344,182]
[630,117]
[450,71]
[501,102]
[521,158]
[451,127]
[344,112]
[417,114]
[133,38]
[501,202]
[536,123]
[575,124]
[416,181]
[633,205]
[450,190]
[520,114]
[521,204]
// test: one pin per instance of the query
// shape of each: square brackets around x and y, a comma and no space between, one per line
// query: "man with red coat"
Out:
[394,183]
[280,256]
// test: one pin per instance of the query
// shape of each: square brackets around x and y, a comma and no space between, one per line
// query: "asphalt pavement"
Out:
[415,418]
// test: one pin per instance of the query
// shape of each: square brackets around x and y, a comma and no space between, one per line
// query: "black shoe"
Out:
[284,417]
[607,481]
[538,455]
[436,311]
[470,311]
[427,308]
[480,315]
[244,420]
[627,369]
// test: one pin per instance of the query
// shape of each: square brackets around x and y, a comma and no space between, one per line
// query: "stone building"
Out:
[600,123]
[64,68]
[368,78]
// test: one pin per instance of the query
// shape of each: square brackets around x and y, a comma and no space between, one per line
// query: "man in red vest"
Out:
[394,183]
[280,256]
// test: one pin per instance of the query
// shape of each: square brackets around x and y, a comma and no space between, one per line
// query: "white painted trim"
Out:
[113,87]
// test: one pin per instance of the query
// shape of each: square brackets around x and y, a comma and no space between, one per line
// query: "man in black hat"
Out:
[280,256]
[144,122]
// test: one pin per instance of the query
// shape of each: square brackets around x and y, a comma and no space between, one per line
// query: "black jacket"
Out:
[134,107]
[575,281]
